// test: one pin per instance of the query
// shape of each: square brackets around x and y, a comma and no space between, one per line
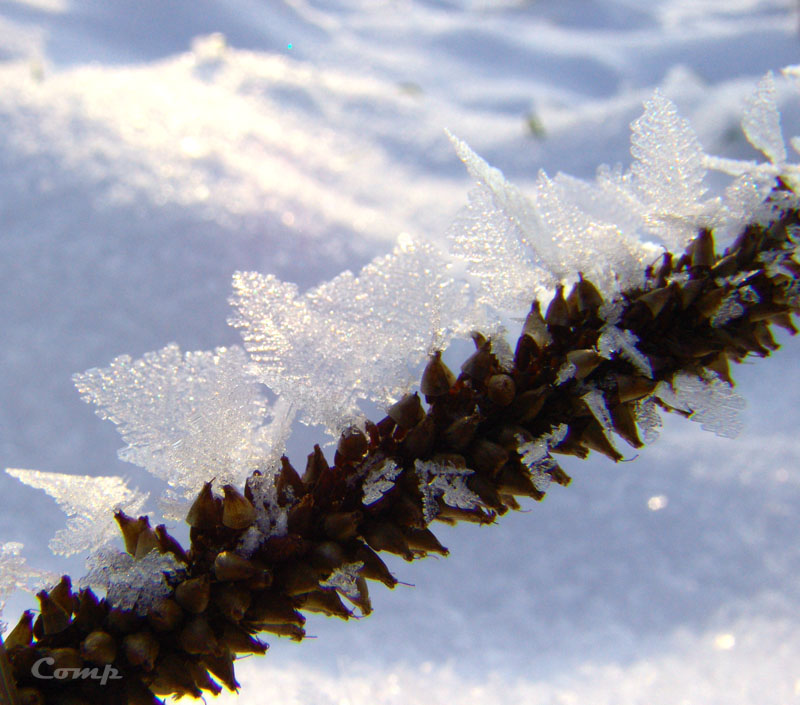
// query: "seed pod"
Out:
[231,566]
[584,296]
[424,540]
[386,536]
[657,299]
[99,647]
[536,328]
[315,467]
[420,439]
[90,613]
[173,676]
[501,389]
[55,618]
[527,405]
[690,291]
[327,602]
[273,608]
[557,312]
[232,601]
[141,649]
[301,516]
[342,526]
[407,412]
[123,621]
[194,594]
[559,476]
[719,365]
[702,249]
[514,480]
[709,303]
[22,634]
[237,511]
[65,657]
[288,485]
[62,594]
[146,541]
[487,492]
[360,598]
[585,362]
[222,668]
[479,365]
[206,510]
[165,615]
[437,379]
[167,544]
[327,555]
[764,337]
[486,457]
[351,447]
[631,388]
[450,515]
[240,642]
[294,632]
[623,419]
[30,696]
[594,438]
[297,578]
[374,567]
[197,637]
[459,433]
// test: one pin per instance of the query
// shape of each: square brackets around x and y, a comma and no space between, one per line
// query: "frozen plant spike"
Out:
[130,583]
[89,502]
[352,338]
[711,402]
[668,172]
[379,481]
[761,122]
[445,481]
[188,417]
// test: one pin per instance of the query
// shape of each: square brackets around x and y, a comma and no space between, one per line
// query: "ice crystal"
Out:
[667,172]
[352,338]
[379,480]
[187,418]
[88,501]
[648,419]
[761,121]
[271,518]
[596,401]
[343,579]
[130,583]
[536,456]
[446,481]
[711,402]
[617,341]
[565,373]
[16,575]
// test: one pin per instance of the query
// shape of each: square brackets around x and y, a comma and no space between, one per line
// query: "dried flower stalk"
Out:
[485,438]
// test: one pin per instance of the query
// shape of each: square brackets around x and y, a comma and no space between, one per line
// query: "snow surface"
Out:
[145,158]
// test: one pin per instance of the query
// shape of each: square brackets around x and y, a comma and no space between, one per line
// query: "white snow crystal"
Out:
[130,583]
[89,502]
[648,419]
[187,418]
[618,341]
[536,456]
[380,480]
[668,172]
[596,402]
[16,575]
[761,121]
[446,481]
[271,518]
[343,579]
[711,402]
[352,338]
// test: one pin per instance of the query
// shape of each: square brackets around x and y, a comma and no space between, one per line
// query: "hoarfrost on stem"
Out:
[446,481]
[379,480]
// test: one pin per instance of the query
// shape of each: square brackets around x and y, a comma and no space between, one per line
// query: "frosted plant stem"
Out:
[484,439]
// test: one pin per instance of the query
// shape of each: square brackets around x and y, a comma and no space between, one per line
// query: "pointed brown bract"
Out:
[237,511]
[437,379]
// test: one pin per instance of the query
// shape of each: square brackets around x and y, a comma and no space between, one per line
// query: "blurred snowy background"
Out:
[149,149]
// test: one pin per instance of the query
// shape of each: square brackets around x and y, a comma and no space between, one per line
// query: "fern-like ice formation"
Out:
[277,542]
